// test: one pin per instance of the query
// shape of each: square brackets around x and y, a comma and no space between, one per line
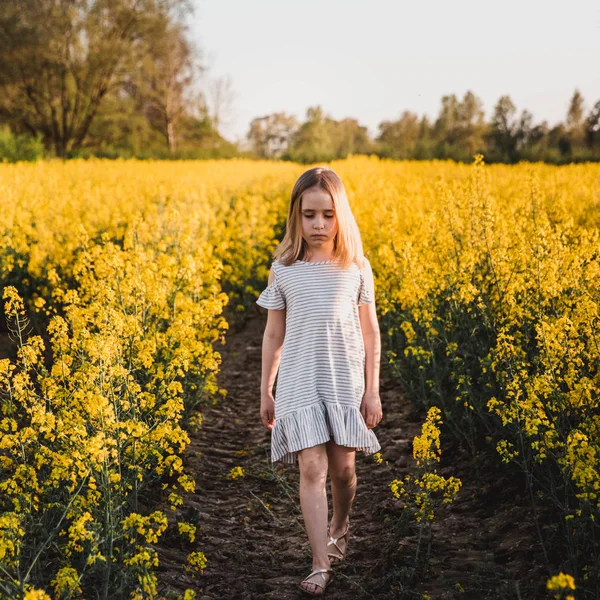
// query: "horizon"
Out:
[265,82]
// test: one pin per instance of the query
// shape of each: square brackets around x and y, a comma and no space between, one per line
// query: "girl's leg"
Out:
[342,469]
[313,501]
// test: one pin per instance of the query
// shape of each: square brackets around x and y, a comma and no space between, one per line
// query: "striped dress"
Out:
[321,377]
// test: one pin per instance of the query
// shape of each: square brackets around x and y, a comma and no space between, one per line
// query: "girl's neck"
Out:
[322,255]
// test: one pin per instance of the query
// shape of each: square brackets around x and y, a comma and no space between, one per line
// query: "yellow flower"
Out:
[235,473]
[187,529]
[197,561]
[66,582]
[34,594]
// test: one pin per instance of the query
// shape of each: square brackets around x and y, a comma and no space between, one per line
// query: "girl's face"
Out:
[319,221]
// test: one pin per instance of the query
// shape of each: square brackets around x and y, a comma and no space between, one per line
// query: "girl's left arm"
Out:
[371,405]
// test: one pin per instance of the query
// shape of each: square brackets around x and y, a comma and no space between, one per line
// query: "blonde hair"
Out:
[347,244]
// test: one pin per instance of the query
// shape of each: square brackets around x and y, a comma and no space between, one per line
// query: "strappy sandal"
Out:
[323,587]
[333,541]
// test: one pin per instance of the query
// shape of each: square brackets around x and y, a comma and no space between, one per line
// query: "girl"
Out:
[322,335]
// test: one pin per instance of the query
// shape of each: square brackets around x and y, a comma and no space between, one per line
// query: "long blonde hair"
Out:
[347,244]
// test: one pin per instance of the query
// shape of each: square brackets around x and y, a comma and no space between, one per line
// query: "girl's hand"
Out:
[370,409]
[267,410]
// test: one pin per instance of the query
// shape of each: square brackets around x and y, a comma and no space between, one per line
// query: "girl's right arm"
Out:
[271,356]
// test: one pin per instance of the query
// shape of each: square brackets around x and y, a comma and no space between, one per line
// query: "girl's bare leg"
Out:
[342,470]
[313,502]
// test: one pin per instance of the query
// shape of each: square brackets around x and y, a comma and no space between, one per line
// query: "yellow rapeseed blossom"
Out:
[11,534]
[34,594]
[131,292]
[235,473]
[486,276]
[560,584]
[197,561]
[66,583]
[421,493]
[187,529]
[426,447]
[150,528]
[187,483]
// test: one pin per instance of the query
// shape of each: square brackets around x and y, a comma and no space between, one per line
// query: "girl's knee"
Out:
[313,463]
[342,463]
[343,474]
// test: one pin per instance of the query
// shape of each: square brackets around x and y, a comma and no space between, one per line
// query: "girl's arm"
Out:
[271,357]
[271,349]
[371,406]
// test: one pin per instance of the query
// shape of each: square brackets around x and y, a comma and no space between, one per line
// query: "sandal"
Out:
[337,558]
[323,587]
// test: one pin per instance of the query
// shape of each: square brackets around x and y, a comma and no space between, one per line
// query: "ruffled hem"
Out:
[271,297]
[317,424]
[364,294]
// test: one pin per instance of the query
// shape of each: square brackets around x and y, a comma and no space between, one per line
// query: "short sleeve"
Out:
[272,297]
[365,295]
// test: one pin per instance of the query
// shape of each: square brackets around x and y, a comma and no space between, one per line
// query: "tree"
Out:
[526,134]
[399,138]
[460,126]
[504,128]
[575,113]
[592,127]
[445,128]
[471,124]
[60,58]
[558,137]
[166,76]
[349,137]
[220,98]
[270,136]
[313,141]
[574,136]
[120,128]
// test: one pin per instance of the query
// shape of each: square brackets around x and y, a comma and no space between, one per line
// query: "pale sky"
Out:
[371,60]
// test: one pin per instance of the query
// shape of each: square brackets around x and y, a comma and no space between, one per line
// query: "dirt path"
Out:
[252,532]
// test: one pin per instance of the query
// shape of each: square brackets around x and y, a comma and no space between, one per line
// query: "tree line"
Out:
[121,78]
[459,132]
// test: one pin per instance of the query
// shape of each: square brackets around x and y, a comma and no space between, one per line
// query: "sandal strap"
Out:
[334,541]
[319,572]
[339,536]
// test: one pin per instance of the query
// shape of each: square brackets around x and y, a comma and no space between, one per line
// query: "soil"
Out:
[484,545]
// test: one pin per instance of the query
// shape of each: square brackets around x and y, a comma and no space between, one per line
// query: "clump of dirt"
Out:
[251,528]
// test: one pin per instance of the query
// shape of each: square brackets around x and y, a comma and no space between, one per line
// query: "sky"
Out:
[371,60]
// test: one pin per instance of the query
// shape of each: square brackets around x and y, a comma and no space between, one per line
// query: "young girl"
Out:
[322,341]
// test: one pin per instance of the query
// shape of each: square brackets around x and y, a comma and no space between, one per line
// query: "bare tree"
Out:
[166,76]
[220,98]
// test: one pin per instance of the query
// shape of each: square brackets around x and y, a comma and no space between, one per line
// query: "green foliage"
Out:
[14,148]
